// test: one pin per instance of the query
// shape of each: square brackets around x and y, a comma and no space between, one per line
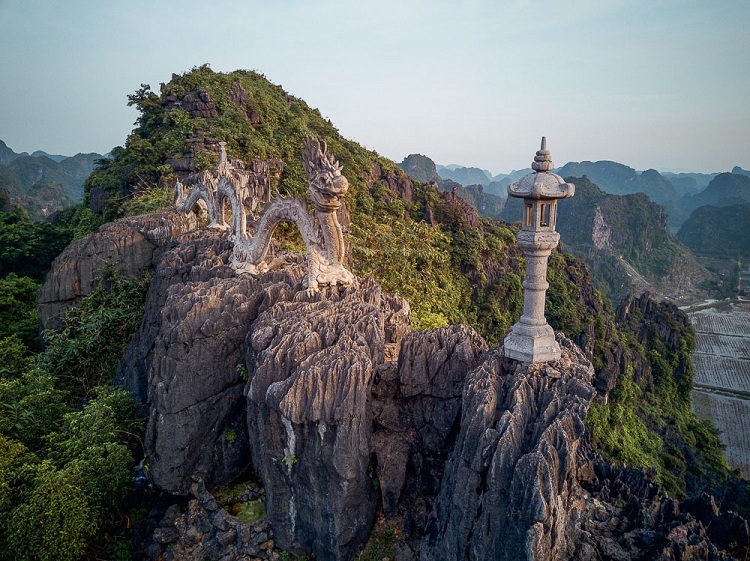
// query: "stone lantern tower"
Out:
[532,339]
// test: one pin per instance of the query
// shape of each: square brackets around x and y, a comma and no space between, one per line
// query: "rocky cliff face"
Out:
[130,245]
[312,361]
[511,487]
[345,415]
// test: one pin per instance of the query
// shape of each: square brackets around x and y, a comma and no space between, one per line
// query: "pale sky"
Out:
[659,84]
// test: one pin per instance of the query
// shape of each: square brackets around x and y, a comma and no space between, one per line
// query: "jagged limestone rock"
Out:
[510,489]
[131,245]
[202,322]
[183,363]
[198,257]
[416,408]
[311,360]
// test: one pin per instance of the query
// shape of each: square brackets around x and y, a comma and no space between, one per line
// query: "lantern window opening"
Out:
[529,221]
[545,215]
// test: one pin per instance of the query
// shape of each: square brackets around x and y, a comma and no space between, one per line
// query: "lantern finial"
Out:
[542,160]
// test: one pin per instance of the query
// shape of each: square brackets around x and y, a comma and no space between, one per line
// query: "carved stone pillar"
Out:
[532,339]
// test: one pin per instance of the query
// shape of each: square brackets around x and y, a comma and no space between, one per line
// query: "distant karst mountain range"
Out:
[678,192]
[42,183]
[624,223]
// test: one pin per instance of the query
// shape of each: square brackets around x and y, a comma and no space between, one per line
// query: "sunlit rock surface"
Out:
[129,245]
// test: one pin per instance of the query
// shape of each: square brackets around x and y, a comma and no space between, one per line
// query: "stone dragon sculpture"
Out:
[320,230]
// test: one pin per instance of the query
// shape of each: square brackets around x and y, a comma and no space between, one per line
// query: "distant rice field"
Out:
[722,377]
[721,373]
[722,345]
[735,322]
[732,416]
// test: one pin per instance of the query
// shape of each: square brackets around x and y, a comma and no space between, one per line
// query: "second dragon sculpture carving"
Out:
[320,230]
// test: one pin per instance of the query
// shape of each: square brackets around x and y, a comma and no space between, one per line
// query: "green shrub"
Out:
[620,431]
[92,444]
[150,199]
[28,248]
[15,358]
[18,310]
[30,407]
[205,160]
[382,544]
[411,260]
[96,333]
[53,522]
[51,509]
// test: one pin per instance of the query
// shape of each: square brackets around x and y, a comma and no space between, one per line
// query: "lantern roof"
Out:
[542,183]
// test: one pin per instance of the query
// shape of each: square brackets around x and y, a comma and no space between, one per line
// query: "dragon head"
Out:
[324,178]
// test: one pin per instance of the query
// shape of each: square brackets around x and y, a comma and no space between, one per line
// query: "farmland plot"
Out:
[736,322]
[731,415]
[722,345]
[722,377]
[721,373]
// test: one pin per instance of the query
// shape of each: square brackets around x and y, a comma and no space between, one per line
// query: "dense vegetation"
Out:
[648,420]
[67,436]
[64,419]
[28,248]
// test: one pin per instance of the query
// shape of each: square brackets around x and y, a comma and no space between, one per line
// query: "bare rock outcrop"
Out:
[198,257]
[200,104]
[231,365]
[626,517]
[397,181]
[510,489]
[183,364]
[245,103]
[416,414]
[130,245]
[312,359]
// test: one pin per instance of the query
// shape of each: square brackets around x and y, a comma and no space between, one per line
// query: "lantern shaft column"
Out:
[532,339]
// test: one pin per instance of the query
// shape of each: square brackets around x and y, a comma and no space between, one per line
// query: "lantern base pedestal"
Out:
[528,343]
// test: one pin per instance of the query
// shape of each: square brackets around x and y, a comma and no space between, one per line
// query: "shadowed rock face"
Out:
[417,411]
[510,488]
[312,360]
[183,362]
[198,258]
[132,245]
